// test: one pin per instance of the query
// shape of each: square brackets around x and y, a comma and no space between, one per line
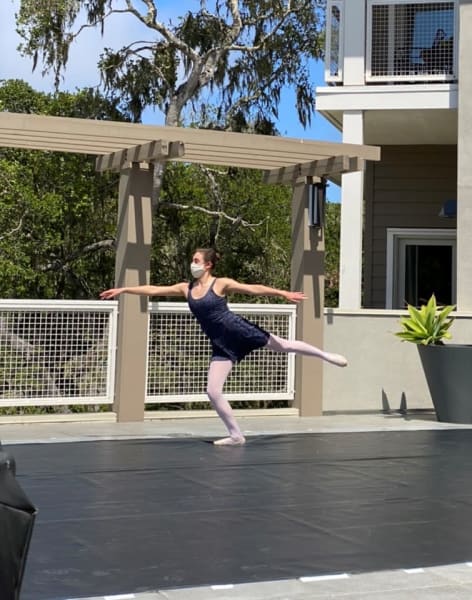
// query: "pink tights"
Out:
[278,344]
[217,374]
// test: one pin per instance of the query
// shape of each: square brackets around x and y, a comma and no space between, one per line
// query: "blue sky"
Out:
[82,71]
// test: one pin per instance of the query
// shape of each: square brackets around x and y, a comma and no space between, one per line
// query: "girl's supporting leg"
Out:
[281,345]
[217,375]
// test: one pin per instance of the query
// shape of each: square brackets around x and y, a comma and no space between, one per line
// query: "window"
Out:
[420,262]
[334,41]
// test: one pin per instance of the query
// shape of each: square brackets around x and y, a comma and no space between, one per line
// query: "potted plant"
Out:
[447,367]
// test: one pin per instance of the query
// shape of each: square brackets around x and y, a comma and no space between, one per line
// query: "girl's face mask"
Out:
[197,270]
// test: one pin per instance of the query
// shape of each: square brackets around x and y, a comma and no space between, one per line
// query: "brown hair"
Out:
[209,255]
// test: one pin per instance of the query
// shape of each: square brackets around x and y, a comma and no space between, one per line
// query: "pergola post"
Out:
[132,267]
[307,270]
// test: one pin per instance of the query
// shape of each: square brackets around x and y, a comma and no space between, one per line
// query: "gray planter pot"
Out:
[448,371]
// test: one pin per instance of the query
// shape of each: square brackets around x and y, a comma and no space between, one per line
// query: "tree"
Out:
[332,239]
[57,215]
[242,51]
[253,230]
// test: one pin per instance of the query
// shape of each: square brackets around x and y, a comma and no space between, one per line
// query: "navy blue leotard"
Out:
[232,337]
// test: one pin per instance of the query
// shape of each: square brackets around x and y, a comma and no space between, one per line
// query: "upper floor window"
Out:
[334,41]
[411,41]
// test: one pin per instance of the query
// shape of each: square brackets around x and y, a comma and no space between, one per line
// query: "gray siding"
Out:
[407,188]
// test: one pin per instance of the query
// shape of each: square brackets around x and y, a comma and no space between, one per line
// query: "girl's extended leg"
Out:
[217,375]
[281,345]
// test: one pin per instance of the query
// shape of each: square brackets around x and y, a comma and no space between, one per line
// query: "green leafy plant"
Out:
[428,325]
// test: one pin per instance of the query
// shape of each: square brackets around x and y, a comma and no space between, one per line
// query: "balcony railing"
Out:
[405,41]
[411,41]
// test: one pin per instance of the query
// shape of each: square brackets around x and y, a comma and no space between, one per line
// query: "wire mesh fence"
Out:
[179,355]
[62,354]
[56,353]
[411,41]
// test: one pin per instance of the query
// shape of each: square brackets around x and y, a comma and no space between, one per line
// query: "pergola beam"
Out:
[150,152]
[326,167]
[85,136]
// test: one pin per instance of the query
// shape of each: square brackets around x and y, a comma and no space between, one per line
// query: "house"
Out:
[399,76]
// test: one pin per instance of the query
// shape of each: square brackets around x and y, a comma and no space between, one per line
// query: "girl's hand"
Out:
[295,296]
[109,294]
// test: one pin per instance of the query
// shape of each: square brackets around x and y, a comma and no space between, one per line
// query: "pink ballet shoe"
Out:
[335,359]
[230,441]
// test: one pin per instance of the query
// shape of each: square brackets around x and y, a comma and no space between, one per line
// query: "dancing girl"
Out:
[232,337]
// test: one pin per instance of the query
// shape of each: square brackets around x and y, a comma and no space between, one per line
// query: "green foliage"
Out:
[57,215]
[332,250]
[428,325]
[254,237]
[243,52]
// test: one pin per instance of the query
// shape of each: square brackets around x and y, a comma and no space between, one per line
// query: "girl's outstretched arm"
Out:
[231,286]
[178,289]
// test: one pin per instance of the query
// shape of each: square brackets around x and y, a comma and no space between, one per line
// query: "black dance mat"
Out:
[129,516]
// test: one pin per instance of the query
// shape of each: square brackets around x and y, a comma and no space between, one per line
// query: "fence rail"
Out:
[63,353]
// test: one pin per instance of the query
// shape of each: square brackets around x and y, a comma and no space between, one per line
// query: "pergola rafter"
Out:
[322,168]
[152,151]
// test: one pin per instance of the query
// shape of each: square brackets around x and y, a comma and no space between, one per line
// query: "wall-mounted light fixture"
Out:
[316,203]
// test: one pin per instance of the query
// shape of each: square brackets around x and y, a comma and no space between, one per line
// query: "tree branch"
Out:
[13,231]
[216,213]
[237,22]
[210,174]
[130,51]
[150,20]
[72,36]
[265,38]
[63,265]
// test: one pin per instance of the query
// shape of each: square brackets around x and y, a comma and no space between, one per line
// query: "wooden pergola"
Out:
[133,150]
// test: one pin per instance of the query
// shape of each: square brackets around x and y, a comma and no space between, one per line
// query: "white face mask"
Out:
[197,270]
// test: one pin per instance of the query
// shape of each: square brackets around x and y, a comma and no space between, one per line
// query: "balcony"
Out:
[406,42]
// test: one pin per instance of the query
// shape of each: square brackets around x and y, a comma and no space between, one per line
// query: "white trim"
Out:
[111,353]
[387,97]
[234,397]
[396,234]
[182,307]
[55,401]
[352,194]
[58,305]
